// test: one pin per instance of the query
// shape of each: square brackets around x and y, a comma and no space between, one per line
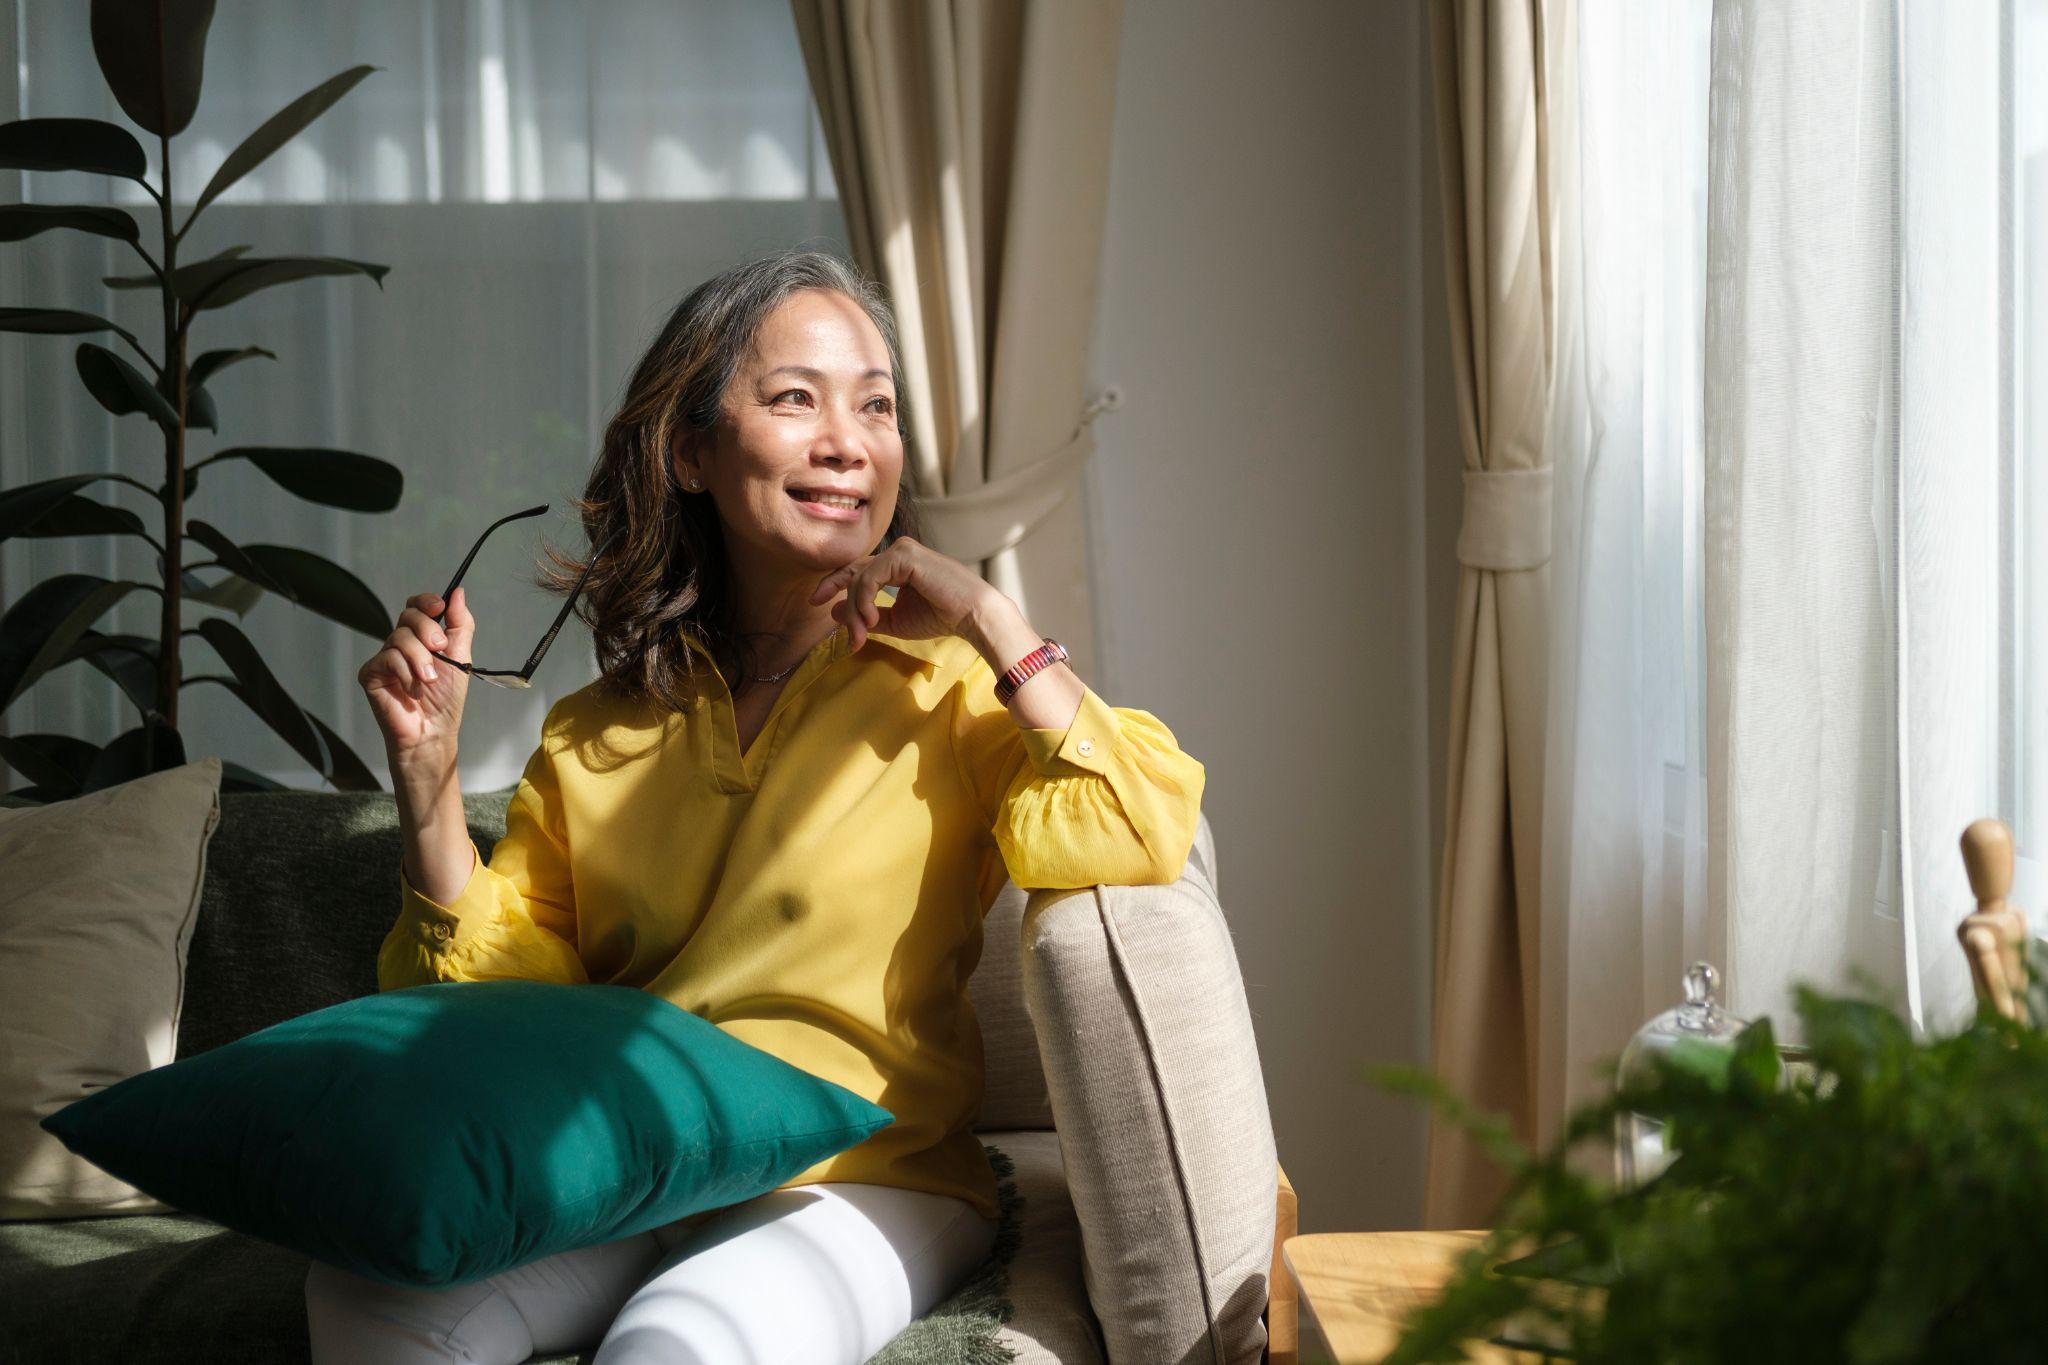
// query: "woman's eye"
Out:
[798,392]
[887,405]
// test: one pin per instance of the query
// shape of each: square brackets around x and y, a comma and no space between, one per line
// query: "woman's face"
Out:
[812,409]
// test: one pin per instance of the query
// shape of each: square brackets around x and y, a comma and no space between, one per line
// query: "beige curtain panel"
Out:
[1492,83]
[971,145]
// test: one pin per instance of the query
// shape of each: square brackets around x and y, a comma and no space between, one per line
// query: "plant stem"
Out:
[170,633]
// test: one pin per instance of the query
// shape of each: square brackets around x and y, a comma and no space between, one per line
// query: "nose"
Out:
[840,440]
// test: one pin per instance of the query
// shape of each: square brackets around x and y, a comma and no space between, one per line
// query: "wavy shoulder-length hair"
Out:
[660,601]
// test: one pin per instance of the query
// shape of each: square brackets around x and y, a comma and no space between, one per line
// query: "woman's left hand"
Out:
[936,594]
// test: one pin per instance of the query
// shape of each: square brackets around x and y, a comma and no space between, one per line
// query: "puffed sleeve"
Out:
[1110,800]
[514,918]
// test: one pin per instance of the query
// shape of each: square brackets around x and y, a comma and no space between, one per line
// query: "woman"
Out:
[785,806]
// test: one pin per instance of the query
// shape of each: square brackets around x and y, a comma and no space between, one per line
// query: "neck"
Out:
[773,606]
[774,611]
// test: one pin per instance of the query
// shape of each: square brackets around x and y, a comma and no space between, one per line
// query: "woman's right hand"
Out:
[416,698]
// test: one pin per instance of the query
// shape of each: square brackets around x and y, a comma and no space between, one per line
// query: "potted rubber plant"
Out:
[151,54]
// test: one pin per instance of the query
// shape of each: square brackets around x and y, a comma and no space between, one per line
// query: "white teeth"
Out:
[829,499]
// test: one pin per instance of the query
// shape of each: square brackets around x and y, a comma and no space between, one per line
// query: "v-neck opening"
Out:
[743,773]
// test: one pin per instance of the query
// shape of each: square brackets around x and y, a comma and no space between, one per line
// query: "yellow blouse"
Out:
[821,895]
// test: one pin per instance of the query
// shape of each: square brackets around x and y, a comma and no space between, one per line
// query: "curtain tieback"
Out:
[1507,519]
[983,522]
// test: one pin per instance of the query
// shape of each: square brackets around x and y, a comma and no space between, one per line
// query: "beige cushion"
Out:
[1154,1077]
[1015,1095]
[101,894]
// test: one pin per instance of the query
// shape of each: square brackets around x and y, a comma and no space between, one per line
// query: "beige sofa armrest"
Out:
[1160,1104]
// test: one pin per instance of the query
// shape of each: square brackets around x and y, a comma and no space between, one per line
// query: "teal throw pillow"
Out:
[436,1135]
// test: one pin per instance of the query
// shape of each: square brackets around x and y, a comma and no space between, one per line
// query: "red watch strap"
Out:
[1047,654]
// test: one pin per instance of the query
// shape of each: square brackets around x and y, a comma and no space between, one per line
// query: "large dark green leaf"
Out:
[215,284]
[335,478]
[120,387]
[39,629]
[199,409]
[71,144]
[259,688]
[153,282]
[60,321]
[236,778]
[153,55]
[213,362]
[340,765]
[56,762]
[20,221]
[74,515]
[20,506]
[322,585]
[344,769]
[232,557]
[233,593]
[280,128]
[313,581]
[127,757]
[130,660]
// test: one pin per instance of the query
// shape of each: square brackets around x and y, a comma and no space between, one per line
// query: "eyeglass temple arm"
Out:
[463,568]
[540,650]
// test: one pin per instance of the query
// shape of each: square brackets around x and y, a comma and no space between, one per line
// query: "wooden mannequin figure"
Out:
[1995,937]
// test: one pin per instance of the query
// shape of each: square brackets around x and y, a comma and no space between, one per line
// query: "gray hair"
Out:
[729,309]
[662,592]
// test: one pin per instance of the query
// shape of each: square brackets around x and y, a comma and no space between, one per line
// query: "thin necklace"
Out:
[778,677]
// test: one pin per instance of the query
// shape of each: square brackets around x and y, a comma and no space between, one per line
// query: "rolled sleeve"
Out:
[1109,800]
[514,918]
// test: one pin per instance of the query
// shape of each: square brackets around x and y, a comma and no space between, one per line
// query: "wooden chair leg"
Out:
[1283,1295]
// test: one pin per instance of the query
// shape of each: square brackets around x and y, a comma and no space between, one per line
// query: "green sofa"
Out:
[1151,1252]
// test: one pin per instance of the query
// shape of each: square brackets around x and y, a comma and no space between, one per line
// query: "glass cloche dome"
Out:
[1639,1152]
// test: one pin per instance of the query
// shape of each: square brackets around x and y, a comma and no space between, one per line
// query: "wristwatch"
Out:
[1045,656]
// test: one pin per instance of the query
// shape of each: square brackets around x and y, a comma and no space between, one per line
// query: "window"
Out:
[546,180]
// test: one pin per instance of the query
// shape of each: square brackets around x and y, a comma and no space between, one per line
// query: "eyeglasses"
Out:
[505,677]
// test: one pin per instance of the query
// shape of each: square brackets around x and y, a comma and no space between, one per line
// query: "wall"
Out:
[1272,513]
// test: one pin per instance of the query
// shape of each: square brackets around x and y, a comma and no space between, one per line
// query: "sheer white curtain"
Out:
[1802,533]
[1862,427]
[1624,819]
[546,179]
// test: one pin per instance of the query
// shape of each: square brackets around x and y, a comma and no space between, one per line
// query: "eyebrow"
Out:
[818,376]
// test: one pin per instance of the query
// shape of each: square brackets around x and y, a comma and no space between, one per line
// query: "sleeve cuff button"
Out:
[1086,746]
[441,930]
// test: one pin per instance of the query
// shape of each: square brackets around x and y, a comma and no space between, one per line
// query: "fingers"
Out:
[417,657]
[391,662]
[829,584]
[408,653]
[413,642]
[856,619]
[423,626]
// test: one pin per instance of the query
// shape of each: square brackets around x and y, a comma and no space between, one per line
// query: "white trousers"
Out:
[820,1274]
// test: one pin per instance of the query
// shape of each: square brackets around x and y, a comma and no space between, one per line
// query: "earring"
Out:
[696,483]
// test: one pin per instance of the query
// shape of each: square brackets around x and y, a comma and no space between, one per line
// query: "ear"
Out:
[682,456]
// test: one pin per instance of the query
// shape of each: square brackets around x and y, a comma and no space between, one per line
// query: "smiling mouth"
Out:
[802,496]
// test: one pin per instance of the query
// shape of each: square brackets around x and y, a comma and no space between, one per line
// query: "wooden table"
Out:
[1359,1286]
